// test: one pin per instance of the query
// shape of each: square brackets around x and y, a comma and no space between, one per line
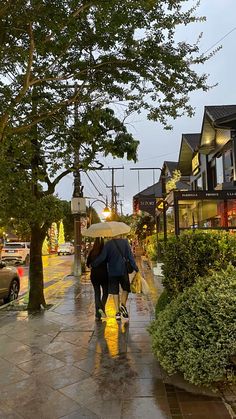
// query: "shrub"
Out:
[151,247]
[162,302]
[155,252]
[195,333]
[195,254]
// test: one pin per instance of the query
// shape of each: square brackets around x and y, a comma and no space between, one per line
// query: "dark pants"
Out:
[100,294]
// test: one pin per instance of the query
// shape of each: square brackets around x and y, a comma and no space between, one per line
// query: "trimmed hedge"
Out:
[195,333]
[193,255]
[162,302]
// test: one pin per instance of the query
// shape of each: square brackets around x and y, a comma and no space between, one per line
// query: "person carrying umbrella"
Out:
[99,278]
[116,252]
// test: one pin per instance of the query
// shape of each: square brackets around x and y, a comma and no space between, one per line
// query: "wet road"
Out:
[54,268]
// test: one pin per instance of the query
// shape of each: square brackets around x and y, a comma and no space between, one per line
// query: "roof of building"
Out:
[152,191]
[215,117]
[220,111]
[189,144]
[192,140]
[171,165]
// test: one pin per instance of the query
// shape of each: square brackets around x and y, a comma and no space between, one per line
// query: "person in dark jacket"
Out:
[115,252]
[99,278]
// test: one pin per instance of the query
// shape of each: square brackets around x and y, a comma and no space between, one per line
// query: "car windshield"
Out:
[14,246]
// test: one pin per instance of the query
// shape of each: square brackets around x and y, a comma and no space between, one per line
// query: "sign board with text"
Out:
[147,205]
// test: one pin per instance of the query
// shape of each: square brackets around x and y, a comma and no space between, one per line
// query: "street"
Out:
[55,269]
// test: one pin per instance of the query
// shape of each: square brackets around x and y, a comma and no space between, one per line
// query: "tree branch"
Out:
[5,117]
[82,8]
[57,180]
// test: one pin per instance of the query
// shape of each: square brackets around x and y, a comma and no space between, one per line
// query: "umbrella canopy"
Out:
[106,229]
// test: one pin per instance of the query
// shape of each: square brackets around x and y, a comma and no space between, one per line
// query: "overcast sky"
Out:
[156,144]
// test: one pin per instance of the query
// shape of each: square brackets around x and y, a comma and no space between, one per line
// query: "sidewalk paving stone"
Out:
[62,364]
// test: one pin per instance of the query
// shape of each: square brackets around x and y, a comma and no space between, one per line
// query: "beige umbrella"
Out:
[106,229]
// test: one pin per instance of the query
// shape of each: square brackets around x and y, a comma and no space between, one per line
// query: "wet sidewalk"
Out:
[63,364]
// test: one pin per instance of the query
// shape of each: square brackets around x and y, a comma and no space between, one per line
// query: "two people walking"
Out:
[113,254]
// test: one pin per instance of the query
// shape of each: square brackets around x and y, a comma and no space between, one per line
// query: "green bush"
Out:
[151,247]
[195,333]
[155,253]
[162,302]
[193,255]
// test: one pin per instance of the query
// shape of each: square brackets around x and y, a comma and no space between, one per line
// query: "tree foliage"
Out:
[64,68]
[113,50]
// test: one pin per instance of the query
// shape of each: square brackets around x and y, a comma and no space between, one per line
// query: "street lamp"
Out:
[106,211]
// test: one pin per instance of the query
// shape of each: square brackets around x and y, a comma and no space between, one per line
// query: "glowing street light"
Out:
[106,212]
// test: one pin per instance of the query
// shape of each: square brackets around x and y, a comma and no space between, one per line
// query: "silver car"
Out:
[9,283]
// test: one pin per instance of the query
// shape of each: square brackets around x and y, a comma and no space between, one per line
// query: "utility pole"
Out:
[77,193]
[113,188]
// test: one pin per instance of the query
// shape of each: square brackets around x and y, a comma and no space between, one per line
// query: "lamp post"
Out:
[106,211]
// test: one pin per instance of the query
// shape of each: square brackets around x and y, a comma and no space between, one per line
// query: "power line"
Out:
[87,186]
[99,193]
[101,179]
[221,39]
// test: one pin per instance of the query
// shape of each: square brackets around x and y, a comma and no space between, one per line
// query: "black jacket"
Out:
[100,272]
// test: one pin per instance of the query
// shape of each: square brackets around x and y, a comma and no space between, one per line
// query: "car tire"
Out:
[13,291]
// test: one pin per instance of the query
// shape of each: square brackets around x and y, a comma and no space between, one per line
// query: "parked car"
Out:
[65,249]
[16,252]
[9,283]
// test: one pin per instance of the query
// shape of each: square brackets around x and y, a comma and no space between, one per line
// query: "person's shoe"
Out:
[102,313]
[118,316]
[124,311]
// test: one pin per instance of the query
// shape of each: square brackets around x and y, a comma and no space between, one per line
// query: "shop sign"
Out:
[147,205]
[195,164]
[224,194]
[160,205]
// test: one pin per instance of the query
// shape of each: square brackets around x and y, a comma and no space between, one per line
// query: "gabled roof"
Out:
[189,144]
[192,140]
[213,117]
[154,191]
[171,166]
[220,111]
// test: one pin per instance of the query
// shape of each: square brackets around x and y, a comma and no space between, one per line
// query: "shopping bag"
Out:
[136,286]
[145,286]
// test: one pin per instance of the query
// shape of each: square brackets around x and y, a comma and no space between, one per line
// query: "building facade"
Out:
[205,198]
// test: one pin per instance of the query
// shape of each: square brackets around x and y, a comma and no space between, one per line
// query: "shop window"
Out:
[219,170]
[228,166]
[207,214]
[199,184]
[204,181]
[212,175]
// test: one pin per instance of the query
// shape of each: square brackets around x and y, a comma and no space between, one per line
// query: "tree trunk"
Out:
[36,294]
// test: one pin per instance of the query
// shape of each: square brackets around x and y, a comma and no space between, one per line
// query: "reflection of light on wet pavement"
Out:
[54,269]
[112,338]
[58,289]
